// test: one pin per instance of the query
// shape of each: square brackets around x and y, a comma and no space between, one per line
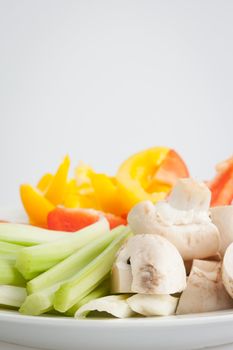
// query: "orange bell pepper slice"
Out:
[35,204]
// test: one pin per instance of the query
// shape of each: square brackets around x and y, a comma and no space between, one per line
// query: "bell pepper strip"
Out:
[45,182]
[71,220]
[107,193]
[57,189]
[36,205]
[222,185]
[146,175]
[171,168]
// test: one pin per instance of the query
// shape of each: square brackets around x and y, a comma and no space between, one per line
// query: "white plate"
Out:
[174,332]
[62,333]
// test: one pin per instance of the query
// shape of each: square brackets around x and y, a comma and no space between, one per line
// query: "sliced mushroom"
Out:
[205,291]
[227,270]
[222,217]
[191,231]
[115,305]
[189,263]
[153,305]
[156,266]
[122,278]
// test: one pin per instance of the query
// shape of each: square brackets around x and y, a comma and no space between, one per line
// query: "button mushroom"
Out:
[205,291]
[183,220]
[227,270]
[153,305]
[156,267]
[222,217]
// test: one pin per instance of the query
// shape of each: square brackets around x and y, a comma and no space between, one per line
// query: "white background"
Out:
[100,80]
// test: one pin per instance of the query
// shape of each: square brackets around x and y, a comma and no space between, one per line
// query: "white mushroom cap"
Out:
[222,217]
[190,194]
[205,291]
[156,265]
[192,233]
[153,305]
[227,270]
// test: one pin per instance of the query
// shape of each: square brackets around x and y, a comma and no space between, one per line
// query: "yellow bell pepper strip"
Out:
[44,182]
[36,205]
[107,193]
[57,189]
[141,178]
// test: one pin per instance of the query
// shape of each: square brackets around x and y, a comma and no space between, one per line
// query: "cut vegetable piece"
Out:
[27,235]
[171,169]
[107,193]
[71,220]
[101,291]
[9,249]
[227,270]
[222,217]
[44,182]
[9,274]
[33,260]
[149,175]
[205,291]
[72,292]
[38,303]
[12,296]
[115,220]
[153,305]
[74,263]
[189,194]
[35,204]
[191,232]
[135,174]
[57,188]
[222,185]
[115,305]
[156,266]
[121,277]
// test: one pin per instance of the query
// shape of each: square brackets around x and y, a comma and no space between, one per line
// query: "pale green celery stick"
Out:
[12,296]
[9,274]
[73,291]
[75,262]
[28,235]
[32,261]
[42,302]
[9,248]
[39,303]
[101,291]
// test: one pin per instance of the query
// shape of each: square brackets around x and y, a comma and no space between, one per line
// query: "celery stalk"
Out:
[9,248]
[28,235]
[74,263]
[32,261]
[73,291]
[12,296]
[9,274]
[101,291]
[38,303]
[42,301]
